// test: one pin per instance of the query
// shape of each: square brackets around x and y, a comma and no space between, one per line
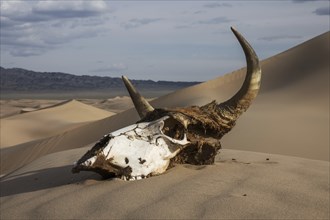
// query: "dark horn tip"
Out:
[236,33]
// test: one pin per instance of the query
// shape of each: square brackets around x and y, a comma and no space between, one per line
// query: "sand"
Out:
[248,187]
[288,122]
[47,122]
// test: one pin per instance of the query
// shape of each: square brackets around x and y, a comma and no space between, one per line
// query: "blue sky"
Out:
[158,40]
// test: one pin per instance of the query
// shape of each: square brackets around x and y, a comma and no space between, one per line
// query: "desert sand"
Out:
[275,162]
[47,122]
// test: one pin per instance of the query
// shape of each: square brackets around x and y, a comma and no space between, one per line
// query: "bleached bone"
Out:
[136,151]
[164,136]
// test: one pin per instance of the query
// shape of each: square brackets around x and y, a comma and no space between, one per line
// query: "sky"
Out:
[157,40]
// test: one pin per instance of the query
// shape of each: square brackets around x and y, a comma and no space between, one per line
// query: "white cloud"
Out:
[12,7]
[69,9]
[57,5]
[137,22]
[33,28]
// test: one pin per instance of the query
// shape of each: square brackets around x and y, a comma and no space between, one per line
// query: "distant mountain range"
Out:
[21,80]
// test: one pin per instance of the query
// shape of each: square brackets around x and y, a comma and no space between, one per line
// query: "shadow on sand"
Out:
[43,179]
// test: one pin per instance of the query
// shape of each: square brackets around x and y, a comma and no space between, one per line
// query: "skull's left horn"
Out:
[142,106]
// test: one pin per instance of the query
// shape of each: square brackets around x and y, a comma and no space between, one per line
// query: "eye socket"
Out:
[173,129]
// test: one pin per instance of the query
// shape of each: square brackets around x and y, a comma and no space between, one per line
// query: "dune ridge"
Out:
[13,107]
[47,122]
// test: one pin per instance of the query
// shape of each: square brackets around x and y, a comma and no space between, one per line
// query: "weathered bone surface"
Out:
[164,137]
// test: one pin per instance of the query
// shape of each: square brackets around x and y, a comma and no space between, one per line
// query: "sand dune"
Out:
[239,186]
[117,104]
[47,122]
[289,117]
[12,107]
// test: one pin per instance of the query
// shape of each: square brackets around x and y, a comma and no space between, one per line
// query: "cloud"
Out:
[138,22]
[27,52]
[50,10]
[31,28]
[7,22]
[182,26]
[322,11]
[280,37]
[217,5]
[35,40]
[113,68]
[217,20]
[69,9]
[303,1]
[199,12]
[55,38]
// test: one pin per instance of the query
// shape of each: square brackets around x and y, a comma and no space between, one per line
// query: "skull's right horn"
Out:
[251,85]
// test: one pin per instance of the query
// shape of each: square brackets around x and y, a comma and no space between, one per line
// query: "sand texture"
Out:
[248,187]
[274,165]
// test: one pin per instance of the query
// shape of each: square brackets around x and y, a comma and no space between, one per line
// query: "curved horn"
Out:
[142,106]
[249,90]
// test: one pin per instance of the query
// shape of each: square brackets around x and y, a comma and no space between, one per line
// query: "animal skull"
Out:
[136,151]
[166,136]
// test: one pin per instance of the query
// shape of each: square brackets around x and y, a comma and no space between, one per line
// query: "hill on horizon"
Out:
[23,82]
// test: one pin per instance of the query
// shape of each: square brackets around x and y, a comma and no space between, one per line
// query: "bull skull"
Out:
[167,136]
